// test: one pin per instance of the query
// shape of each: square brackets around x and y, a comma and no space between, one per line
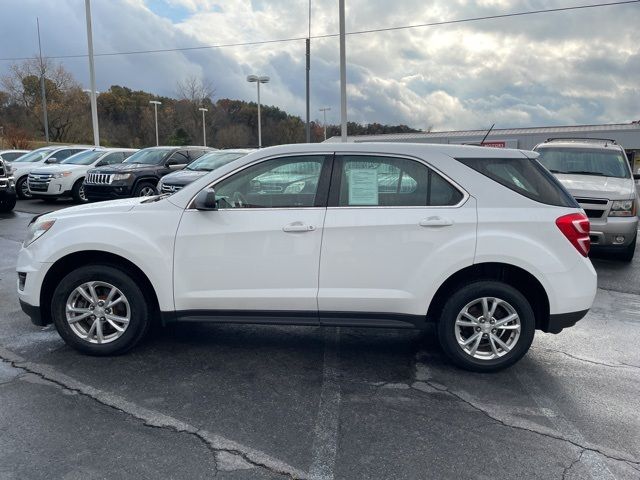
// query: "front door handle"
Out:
[435,222]
[298,227]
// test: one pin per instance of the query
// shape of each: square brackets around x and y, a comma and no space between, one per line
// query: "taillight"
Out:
[575,227]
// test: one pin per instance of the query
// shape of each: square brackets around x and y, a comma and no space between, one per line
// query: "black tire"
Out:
[139,309]
[143,187]
[21,191]
[77,192]
[627,253]
[7,203]
[476,290]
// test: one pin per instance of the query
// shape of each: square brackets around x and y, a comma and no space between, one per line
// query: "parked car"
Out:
[66,179]
[173,182]
[7,187]
[10,155]
[484,242]
[597,173]
[139,174]
[36,159]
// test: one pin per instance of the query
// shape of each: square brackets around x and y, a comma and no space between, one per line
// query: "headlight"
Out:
[295,187]
[121,176]
[623,208]
[36,230]
[61,174]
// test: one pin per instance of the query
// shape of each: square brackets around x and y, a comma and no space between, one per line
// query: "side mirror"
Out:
[206,200]
[51,160]
[172,164]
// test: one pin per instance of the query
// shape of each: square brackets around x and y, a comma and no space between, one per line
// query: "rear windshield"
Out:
[585,161]
[524,176]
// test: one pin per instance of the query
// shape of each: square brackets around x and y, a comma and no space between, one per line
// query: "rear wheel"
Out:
[100,310]
[22,188]
[145,189]
[77,192]
[7,203]
[486,326]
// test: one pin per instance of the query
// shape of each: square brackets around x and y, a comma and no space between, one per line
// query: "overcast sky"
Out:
[577,67]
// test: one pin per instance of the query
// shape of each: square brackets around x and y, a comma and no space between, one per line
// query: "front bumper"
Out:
[7,188]
[613,232]
[106,192]
[54,187]
[34,314]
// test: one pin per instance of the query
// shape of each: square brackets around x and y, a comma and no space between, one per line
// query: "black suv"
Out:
[139,174]
[7,188]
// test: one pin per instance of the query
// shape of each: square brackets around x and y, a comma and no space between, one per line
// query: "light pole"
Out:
[258,80]
[204,131]
[92,76]
[343,74]
[43,90]
[155,111]
[324,123]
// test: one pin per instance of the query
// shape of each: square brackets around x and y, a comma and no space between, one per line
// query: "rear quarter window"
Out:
[524,176]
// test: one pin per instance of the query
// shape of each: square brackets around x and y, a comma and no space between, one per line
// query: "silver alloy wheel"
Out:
[24,188]
[487,328]
[98,312]
[81,194]
[147,192]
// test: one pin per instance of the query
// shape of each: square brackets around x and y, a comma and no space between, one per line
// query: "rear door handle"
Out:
[298,227]
[435,222]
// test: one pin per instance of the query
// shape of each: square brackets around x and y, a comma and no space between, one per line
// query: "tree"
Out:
[66,103]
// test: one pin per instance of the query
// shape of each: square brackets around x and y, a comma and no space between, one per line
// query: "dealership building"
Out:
[625,134]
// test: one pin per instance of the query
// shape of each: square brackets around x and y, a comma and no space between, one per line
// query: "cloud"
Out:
[560,68]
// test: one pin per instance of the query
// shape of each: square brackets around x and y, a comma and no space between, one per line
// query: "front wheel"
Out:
[7,203]
[77,192]
[22,189]
[145,189]
[100,310]
[486,326]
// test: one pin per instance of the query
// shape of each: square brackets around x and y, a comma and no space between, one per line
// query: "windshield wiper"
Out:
[584,172]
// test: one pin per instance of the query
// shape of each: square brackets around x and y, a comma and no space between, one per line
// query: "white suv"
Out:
[66,179]
[485,242]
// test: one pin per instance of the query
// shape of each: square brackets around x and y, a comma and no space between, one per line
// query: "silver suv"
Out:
[598,174]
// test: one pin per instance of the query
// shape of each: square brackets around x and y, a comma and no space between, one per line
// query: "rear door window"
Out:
[524,176]
[379,181]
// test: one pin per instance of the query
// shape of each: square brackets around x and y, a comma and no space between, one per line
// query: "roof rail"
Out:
[581,139]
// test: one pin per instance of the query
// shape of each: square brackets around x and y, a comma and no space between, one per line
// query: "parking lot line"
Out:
[325,444]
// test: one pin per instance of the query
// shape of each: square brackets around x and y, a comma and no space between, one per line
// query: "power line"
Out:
[332,35]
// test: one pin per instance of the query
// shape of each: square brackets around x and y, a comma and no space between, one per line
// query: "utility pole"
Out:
[324,122]
[155,104]
[343,75]
[204,131]
[92,76]
[43,92]
[307,127]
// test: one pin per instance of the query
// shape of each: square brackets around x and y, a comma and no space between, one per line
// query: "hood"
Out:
[56,168]
[124,168]
[594,186]
[182,177]
[110,206]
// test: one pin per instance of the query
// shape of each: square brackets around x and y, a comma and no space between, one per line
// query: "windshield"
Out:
[149,156]
[34,156]
[585,161]
[211,161]
[83,158]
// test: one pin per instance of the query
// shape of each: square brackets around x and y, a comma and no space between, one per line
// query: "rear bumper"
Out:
[560,321]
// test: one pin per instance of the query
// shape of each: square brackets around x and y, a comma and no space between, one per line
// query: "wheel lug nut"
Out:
[477,329]
[493,321]
[91,307]
[493,330]
[93,317]
[482,320]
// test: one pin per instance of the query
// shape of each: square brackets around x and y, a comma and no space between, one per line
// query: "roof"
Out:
[575,129]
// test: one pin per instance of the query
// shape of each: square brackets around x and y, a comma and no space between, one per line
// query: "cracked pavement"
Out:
[246,402]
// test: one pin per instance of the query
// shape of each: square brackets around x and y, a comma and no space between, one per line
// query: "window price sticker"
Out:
[363,186]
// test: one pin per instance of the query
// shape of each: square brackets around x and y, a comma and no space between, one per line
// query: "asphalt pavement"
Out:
[245,402]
